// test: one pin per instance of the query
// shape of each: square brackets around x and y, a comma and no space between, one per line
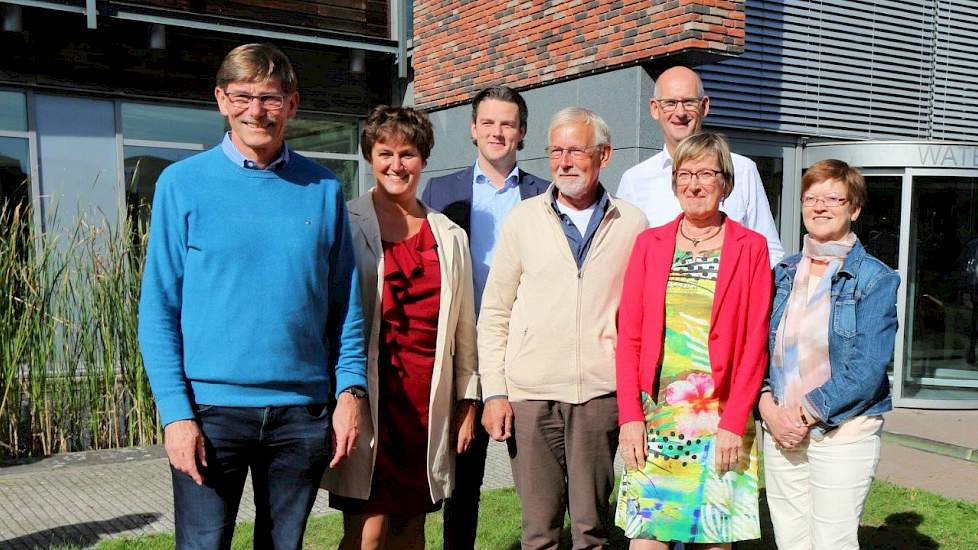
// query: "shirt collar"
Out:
[601,203]
[512,180]
[666,159]
[232,152]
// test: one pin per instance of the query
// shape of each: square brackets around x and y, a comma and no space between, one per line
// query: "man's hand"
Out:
[728,451]
[346,427]
[463,425]
[632,444]
[184,444]
[497,418]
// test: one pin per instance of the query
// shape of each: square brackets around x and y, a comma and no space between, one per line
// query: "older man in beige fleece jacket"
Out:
[547,337]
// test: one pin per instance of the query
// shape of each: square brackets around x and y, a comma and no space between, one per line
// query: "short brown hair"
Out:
[834,169]
[385,122]
[507,95]
[703,145]
[257,63]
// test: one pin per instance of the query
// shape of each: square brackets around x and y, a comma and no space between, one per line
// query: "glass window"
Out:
[14,167]
[171,123]
[13,111]
[305,133]
[346,172]
[143,166]
[942,290]
[78,159]
[878,226]
[15,180]
[771,170]
[317,135]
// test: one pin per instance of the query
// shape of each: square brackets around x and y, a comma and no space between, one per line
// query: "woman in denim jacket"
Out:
[833,325]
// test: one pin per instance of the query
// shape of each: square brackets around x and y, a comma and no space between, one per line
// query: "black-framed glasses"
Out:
[689,103]
[831,201]
[706,177]
[269,102]
[576,153]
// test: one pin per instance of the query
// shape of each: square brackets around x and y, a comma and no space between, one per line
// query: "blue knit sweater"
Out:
[250,295]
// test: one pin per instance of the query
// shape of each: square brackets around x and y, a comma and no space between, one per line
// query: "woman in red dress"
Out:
[416,280]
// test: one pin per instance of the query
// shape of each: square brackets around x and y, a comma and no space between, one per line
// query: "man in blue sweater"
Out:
[250,321]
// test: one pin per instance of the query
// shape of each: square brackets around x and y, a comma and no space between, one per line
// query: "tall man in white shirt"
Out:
[680,105]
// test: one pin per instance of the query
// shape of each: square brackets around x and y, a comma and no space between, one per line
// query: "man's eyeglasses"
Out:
[269,102]
[706,177]
[576,153]
[690,104]
[831,201]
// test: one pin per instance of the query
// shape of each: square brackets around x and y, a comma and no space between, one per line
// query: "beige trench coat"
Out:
[454,377]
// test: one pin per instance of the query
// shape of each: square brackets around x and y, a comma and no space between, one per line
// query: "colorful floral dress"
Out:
[678,495]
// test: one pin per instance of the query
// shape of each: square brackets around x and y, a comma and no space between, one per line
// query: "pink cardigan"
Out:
[738,343]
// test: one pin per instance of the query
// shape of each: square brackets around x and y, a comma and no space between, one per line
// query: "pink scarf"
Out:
[801,353]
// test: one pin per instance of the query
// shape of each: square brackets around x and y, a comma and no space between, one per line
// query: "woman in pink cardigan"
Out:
[692,352]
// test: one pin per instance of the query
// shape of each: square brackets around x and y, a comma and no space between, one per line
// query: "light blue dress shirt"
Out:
[231,150]
[489,208]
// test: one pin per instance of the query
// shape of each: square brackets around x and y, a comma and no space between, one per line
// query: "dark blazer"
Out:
[452,194]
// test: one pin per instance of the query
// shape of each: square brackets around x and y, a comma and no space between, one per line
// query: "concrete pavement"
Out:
[82,498]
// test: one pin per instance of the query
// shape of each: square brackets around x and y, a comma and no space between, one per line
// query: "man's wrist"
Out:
[356,391]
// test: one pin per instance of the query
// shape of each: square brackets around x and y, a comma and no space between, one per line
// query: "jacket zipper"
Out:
[598,234]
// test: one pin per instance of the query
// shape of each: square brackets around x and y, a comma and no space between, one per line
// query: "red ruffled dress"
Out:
[408,334]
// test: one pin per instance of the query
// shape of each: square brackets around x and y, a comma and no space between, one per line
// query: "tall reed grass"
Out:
[72,375]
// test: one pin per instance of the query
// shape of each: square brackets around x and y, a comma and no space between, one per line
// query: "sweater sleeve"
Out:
[629,350]
[160,303]
[344,324]
[750,367]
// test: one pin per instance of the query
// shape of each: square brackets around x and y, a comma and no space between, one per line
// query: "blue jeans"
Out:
[287,450]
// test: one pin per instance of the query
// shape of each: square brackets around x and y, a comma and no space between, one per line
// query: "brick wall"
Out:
[461,47]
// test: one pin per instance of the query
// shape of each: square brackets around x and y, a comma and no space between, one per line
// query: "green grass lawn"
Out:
[895,518]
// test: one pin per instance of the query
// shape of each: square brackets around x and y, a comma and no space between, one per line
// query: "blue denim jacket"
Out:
[863,328]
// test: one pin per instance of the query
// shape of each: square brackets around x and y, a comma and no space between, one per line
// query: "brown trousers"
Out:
[563,461]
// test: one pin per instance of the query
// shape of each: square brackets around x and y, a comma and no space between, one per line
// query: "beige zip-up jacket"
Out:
[547,330]
[454,377]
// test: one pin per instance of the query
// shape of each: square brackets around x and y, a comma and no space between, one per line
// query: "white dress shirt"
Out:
[648,185]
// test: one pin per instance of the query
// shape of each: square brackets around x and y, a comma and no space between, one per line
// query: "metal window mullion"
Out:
[91,14]
[322,155]
[120,152]
[42,4]
[903,348]
[35,166]
[162,144]
[362,164]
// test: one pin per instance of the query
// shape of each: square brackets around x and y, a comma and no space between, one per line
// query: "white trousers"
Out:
[816,492]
